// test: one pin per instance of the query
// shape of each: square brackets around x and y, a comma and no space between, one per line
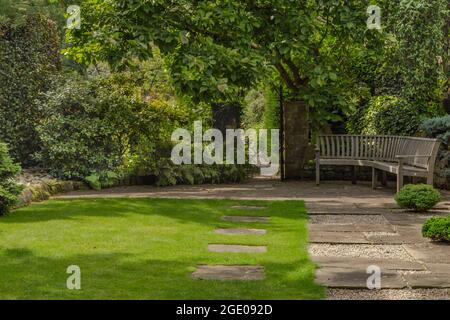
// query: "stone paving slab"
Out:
[348,219]
[430,252]
[337,237]
[356,278]
[438,267]
[232,231]
[363,263]
[410,234]
[407,220]
[431,280]
[317,227]
[394,238]
[220,272]
[237,248]
[245,219]
[249,207]
[344,211]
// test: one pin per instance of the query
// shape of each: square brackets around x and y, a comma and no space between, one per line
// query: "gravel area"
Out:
[348,219]
[389,294]
[360,251]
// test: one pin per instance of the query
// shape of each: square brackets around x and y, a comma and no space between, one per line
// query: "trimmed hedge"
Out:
[437,229]
[29,57]
[418,197]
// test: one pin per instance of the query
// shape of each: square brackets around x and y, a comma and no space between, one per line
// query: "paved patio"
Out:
[351,228]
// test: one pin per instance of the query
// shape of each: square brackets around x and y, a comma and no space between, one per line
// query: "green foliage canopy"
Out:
[216,48]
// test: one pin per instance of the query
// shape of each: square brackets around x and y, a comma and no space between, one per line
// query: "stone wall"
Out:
[39,186]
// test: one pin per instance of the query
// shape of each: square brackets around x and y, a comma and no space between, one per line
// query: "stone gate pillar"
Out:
[295,138]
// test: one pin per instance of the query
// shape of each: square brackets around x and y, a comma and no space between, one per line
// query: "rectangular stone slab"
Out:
[431,280]
[337,237]
[245,219]
[439,267]
[430,252]
[356,278]
[317,227]
[363,263]
[407,219]
[220,272]
[399,238]
[248,207]
[232,231]
[343,212]
[236,248]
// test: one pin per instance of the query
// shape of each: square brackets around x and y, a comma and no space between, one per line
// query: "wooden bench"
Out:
[403,156]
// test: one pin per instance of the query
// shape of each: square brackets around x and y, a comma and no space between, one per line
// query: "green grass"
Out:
[148,248]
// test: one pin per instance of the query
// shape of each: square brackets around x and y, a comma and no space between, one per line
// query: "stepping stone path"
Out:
[346,239]
[229,273]
[236,248]
[222,272]
[245,219]
[248,207]
[240,231]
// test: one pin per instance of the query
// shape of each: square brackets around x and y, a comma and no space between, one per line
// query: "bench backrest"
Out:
[382,148]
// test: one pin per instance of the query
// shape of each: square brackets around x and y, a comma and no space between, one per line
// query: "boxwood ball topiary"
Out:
[437,229]
[418,197]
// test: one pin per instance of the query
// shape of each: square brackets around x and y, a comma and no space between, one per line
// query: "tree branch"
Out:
[285,75]
[298,80]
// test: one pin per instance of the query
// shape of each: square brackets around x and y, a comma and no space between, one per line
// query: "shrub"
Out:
[437,228]
[92,125]
[97,181]
[385,115]
[439,128]
[8,188]
[29,58]
[418,197]
[169,174]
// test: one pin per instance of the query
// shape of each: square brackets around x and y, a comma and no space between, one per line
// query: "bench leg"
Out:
[354,175]
[400,175]
[374,178]
[399,182]
[317,173]
[430,179]
[384,178]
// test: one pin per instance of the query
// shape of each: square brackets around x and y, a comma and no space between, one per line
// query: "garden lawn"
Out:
[148,248]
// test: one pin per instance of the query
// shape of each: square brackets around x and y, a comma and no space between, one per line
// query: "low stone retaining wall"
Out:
[43,190]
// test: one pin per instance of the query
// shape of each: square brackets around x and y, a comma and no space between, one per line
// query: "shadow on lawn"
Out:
[125,276]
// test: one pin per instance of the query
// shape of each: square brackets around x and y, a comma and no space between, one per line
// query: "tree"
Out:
[216,48]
